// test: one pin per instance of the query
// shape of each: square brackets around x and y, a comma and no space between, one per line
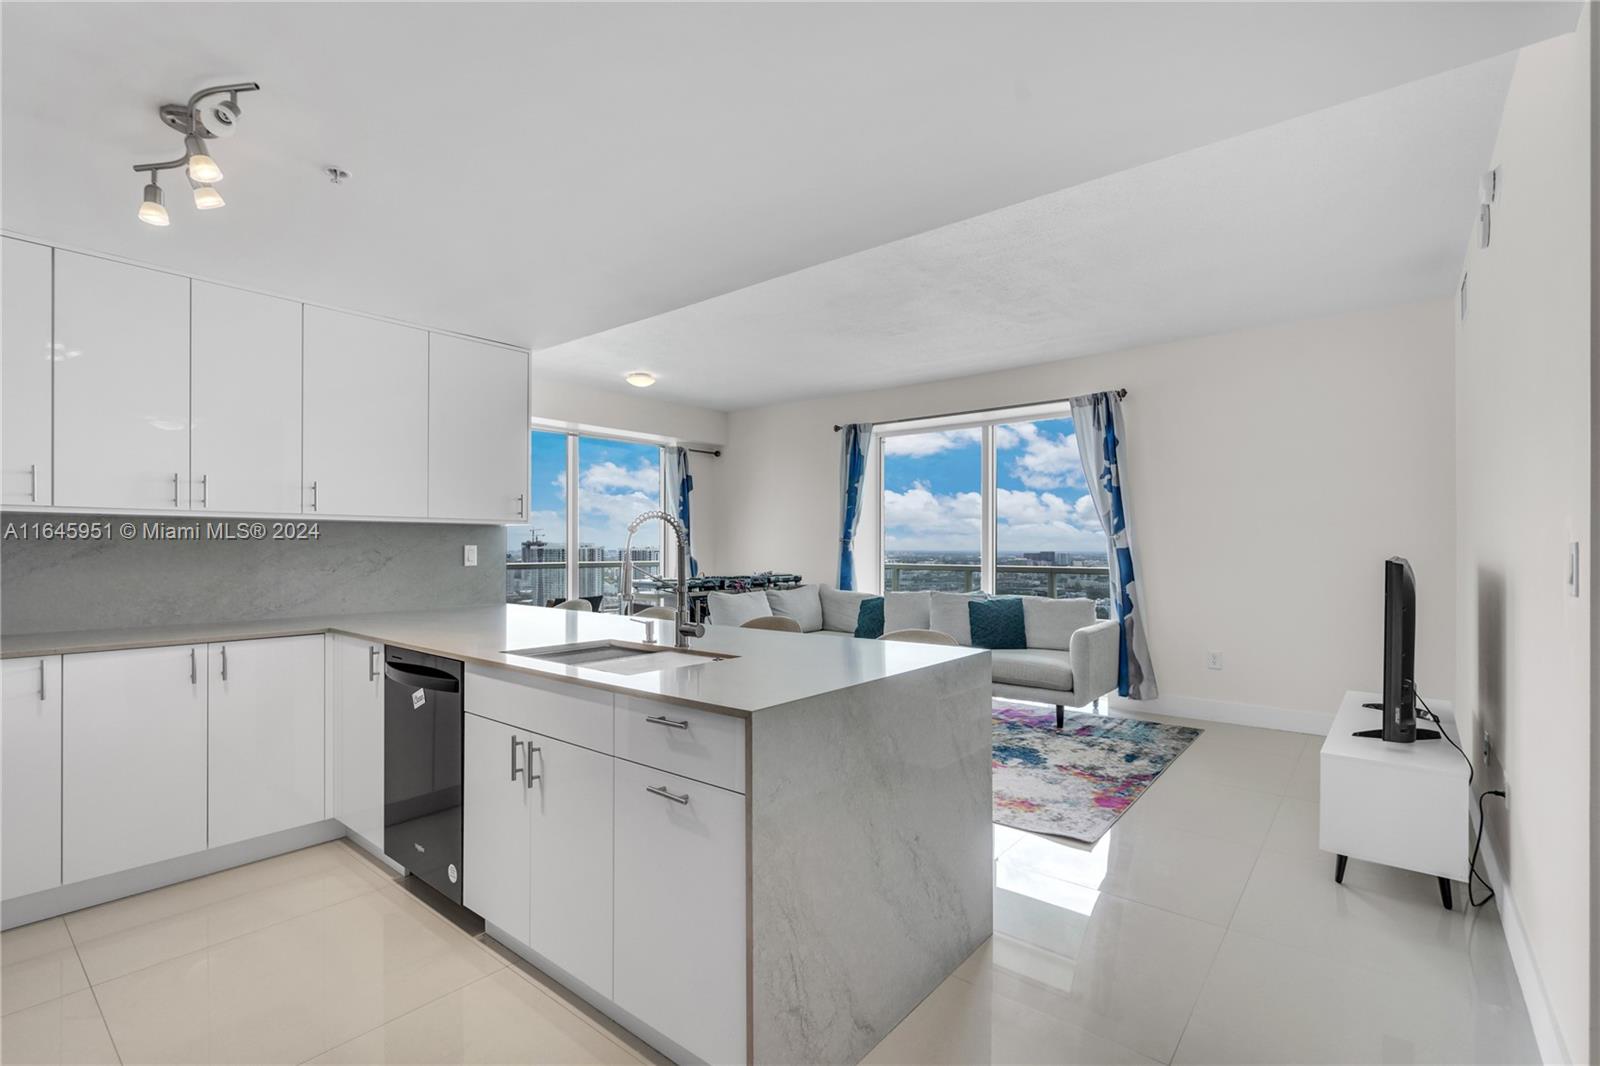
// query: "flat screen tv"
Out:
[1399,652]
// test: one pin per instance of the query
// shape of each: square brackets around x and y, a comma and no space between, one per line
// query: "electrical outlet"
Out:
[1213,660]
[469,555]
[1488,749]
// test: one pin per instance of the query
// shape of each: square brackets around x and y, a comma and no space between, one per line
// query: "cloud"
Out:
[919,518]
[920,445]
[1048,460]
[613,477]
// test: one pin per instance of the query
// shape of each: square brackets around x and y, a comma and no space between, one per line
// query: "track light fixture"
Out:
[198,122]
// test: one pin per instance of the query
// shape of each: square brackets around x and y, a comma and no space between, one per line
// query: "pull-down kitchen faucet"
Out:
[683,629]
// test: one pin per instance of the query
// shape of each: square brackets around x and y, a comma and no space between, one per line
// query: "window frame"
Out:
[986,422]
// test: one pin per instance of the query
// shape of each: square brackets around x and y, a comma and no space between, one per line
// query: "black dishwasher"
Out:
[422,767]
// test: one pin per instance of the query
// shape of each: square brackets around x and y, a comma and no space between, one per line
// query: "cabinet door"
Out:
[246,410]
[477,430]
[121,385]
[30,777]
[571,917]
[366,416]
[680,910]
[133,758]
[495,802]
[265,743]
[358,738]
[25,372]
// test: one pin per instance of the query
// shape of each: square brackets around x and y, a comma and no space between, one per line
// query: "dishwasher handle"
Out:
[422,677]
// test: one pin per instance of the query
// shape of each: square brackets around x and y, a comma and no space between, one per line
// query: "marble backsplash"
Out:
[58,585]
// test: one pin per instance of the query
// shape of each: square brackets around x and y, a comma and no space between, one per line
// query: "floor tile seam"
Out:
[105,1023]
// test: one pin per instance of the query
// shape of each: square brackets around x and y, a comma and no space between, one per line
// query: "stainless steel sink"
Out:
[619,657]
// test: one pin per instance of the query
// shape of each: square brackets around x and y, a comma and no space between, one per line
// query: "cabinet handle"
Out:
[372,664]
[670,723]
[515,745]
[41,679]
[33,487]
[522,504]
[194,676]
[313,495]
[661,790]
[205,492]
[174,490]
[224,662]
[531,777]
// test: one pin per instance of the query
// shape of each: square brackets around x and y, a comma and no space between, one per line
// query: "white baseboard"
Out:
[1546,1030]
[1317,723]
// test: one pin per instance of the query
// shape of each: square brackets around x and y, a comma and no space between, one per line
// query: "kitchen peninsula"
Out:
[769,849]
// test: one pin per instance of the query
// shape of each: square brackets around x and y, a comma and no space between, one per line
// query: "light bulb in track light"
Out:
[206,197]
[153,210]
[202,168]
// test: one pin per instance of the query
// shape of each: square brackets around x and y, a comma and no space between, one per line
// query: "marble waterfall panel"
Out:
[871,856]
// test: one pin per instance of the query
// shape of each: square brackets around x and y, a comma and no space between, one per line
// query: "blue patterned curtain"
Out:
[855,440]
[1098,421]
[679,485]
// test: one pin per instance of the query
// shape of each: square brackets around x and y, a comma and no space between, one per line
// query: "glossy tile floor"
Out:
[316,956]
[1205,927]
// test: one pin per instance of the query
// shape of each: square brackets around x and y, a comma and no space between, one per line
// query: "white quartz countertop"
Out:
[764,669]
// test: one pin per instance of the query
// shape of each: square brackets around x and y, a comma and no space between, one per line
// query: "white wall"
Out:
[1271,473]
[1523,493]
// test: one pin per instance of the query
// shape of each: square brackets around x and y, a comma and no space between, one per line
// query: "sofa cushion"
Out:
[1051,623]
[802,604]
[869,620]
[905,610]
[1032,668]
[839,609]
[947,612]
[997,623]
[737,608]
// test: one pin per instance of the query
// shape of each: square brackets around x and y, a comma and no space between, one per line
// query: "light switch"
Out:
[469,555]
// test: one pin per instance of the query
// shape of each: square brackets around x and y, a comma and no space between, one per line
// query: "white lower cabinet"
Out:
[266,736]
[133,758]
[571,855]
[30,748]
[679,909]
[357,692]
[495,838]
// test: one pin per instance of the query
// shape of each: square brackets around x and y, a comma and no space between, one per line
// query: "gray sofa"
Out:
[1070,659]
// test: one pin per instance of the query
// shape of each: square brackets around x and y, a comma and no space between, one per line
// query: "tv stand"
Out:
[1403,805]
[1422,734]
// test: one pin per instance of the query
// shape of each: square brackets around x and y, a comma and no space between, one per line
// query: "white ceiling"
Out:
[1366,204]
[537,173]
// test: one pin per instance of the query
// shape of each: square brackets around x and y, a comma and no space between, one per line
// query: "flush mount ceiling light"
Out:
[199,122]
[641,379]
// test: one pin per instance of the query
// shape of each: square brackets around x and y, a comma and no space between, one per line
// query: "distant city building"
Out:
[1040,558]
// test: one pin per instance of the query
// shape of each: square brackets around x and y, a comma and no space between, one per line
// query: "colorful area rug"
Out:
[1076,781]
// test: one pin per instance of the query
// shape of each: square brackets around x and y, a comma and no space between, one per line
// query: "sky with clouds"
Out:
[617,480]
[933,499]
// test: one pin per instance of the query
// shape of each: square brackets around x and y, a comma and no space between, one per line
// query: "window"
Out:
[536,553]
[616,481]
[1021,482]
[933,510]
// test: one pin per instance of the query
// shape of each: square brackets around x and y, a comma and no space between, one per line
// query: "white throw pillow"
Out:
[840,609]
[737,608]
[803,604]
[947,612]
[1051,623]
[905,610]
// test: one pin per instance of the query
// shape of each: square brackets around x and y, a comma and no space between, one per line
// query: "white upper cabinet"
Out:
[366,416]
[121,385]
[25,364]
[246,401]
[265,737]
[477,430]
[30,749]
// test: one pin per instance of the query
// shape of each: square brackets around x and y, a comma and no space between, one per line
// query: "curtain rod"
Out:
[706,451]
[1122,394]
